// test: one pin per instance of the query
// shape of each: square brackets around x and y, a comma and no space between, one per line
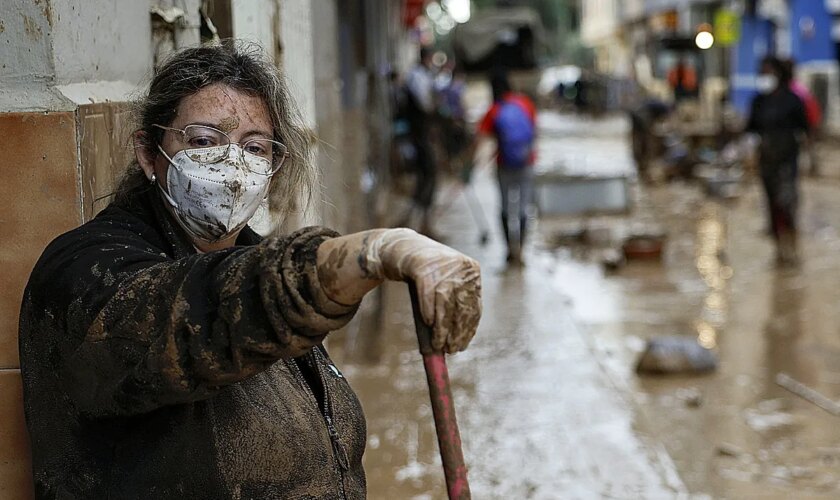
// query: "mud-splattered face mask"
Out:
[213,199]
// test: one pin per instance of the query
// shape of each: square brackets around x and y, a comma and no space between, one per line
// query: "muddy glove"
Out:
[448,282]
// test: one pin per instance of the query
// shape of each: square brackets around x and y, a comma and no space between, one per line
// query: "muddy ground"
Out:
[547,397]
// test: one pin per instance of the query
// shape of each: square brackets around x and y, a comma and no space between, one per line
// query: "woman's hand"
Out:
[448,282]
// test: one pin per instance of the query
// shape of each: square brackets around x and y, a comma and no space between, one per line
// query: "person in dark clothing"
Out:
[169,352]
[643,119]
[420,111]
[683,80]
[778,117]
[453,127]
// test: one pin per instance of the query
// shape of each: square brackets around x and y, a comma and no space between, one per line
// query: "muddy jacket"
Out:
[152,371]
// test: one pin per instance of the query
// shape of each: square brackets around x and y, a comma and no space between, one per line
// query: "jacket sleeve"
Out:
[143,331]
[752,120]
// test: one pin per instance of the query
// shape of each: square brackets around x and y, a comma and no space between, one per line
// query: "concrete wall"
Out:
[26,59]
[25,38]
[296,46]
[329,115]
[59,54]
[284,28]
[88,45]
[631,10]
[67,70]
[599,29]
[598,20]
[254,20]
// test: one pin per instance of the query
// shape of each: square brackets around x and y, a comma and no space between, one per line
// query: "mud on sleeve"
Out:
[179,330]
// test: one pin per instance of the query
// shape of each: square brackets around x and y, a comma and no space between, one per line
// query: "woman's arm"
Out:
[133,330]
[341,267]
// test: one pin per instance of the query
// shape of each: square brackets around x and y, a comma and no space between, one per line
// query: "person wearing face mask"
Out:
[168,351]
[778,117]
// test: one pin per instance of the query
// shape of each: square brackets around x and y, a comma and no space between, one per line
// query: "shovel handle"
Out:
[443,407]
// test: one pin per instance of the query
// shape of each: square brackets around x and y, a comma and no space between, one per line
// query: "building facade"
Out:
[600,29]
[653,34]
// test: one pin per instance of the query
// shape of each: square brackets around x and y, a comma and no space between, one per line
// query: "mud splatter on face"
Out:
[228,124]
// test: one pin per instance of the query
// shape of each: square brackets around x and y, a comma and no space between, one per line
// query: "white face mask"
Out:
[766,83]
[214,200]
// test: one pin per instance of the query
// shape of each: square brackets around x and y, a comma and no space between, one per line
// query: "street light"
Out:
[704,38]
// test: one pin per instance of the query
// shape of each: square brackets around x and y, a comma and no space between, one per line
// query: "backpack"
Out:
[515,135]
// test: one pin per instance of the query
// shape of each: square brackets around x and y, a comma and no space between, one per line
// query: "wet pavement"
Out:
[547,398]
[735,433]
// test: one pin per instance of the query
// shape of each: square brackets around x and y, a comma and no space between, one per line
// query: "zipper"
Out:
[339,450]
[326,410]
[338,447]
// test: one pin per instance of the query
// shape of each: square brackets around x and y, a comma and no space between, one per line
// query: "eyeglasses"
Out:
[204,137]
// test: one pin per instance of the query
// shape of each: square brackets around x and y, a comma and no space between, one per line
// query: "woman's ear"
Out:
[145,158]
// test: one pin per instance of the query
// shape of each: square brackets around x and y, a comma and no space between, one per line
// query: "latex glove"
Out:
[448,282]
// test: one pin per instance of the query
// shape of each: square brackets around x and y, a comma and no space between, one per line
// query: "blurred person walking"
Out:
[778,117]
[454,137]
[420,111]
[403,154]
[683,80]
[643,120]
[511,121]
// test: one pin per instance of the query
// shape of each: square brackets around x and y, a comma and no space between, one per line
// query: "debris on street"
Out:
[808,394]
[643,247]
[674,354]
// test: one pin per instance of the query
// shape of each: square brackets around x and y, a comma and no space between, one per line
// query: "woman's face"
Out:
[241,116]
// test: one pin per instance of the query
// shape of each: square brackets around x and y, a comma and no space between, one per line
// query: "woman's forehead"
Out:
[225,108]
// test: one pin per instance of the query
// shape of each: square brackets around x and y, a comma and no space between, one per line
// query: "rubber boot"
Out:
[506,232]
[523,228]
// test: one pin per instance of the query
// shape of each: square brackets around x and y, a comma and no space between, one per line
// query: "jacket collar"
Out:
[148,205]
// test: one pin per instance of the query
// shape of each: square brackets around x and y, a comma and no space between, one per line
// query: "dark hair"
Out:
[500,85]
[242,66]
[787,70]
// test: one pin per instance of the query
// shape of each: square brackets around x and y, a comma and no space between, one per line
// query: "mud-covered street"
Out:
[548,401]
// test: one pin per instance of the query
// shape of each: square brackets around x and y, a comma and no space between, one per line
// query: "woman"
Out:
[168,351]
[778,117]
